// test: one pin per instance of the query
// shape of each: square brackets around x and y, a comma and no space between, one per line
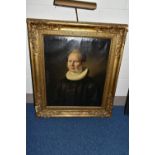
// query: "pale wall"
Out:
[108,11]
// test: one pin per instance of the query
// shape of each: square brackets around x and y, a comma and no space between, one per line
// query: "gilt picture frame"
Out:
[51,46]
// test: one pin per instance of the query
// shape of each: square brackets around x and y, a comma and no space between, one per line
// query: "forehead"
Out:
[74,56]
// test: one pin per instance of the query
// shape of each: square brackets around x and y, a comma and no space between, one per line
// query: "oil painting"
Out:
[74,66]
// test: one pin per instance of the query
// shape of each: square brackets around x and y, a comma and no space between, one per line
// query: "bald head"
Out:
[77,52]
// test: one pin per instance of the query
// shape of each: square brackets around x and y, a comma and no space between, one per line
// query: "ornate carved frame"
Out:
[38,27]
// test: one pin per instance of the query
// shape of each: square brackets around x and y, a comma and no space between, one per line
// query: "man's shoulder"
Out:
[89,81]
[64,80]
[88,78]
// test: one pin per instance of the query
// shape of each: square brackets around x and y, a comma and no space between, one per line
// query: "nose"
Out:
[72,63]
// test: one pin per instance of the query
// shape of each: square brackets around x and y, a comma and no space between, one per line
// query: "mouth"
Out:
[72,68]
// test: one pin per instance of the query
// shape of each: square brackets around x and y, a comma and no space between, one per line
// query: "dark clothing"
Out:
[77,93]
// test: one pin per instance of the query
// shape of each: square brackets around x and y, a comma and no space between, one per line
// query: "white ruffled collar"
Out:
[76,76]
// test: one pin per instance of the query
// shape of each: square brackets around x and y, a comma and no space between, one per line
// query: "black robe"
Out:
[77,93]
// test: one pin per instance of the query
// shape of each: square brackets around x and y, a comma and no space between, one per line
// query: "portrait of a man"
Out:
[75,69]
[77,88]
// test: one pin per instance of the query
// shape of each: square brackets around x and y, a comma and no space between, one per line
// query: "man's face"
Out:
[74,63]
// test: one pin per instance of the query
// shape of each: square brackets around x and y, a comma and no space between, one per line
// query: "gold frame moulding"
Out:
[39,28]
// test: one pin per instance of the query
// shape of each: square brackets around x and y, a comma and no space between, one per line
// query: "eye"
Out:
[77,61]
